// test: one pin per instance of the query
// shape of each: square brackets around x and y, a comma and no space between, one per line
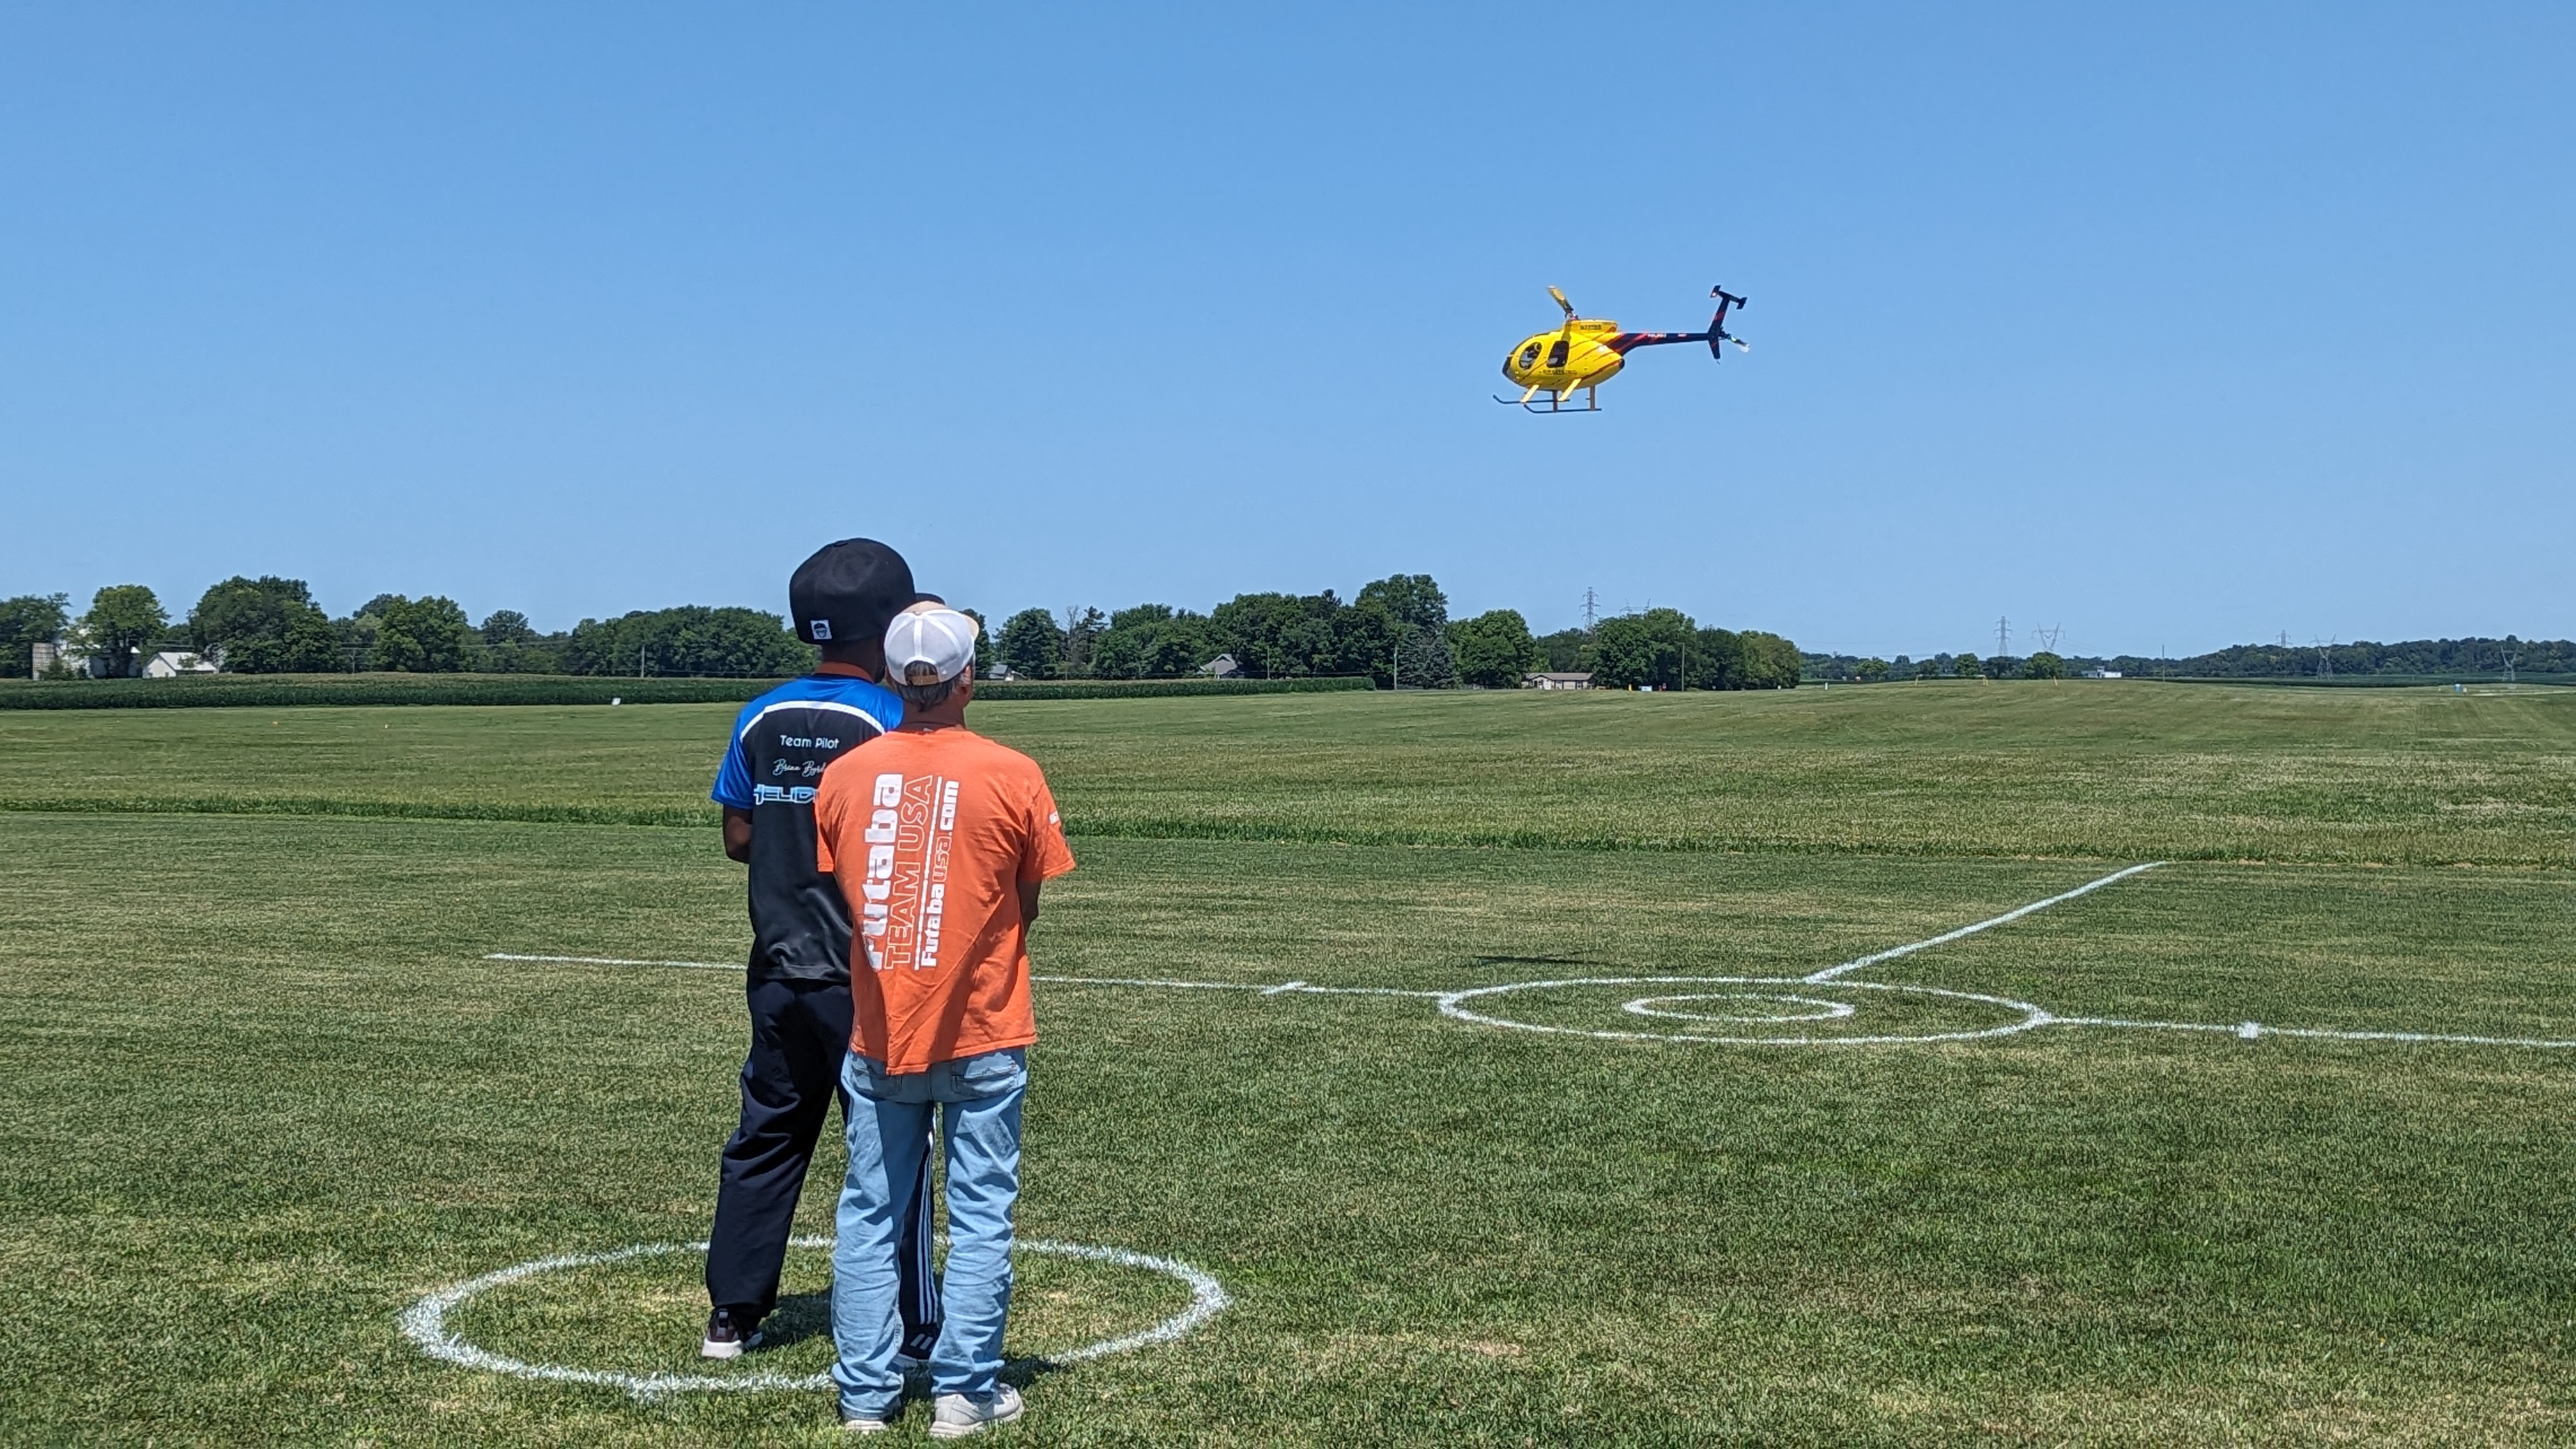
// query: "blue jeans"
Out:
[978,1102]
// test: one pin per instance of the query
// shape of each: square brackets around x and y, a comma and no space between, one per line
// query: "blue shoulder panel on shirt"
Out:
[836,693]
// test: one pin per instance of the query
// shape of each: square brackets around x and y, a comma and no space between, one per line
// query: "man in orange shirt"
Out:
[939,840]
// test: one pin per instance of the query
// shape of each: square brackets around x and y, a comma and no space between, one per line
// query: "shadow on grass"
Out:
[802,1316]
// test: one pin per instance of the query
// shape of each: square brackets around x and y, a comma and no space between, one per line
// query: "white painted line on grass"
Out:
[1284,988]
[2255,1031]
[1822,1010]
[2032,1016]
[1144,981]
[1450,1003]
[1831,973]
[615,961]
[425,1321]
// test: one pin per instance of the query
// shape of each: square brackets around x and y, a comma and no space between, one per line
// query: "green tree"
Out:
[983,642]
[1420,659]
[123,620]
[266,625]
[1716,660]
[512,645]
[1397,630]
[1643,649]
[25,622]
[1770,661]
[1408,598]
[693,639]
[1153,641]
[1286,636]
[428,635]
[1083,626]
[2043,665]
[1032,645]
[1494,649]
[1873,671]
[1566,651]
[1967,666]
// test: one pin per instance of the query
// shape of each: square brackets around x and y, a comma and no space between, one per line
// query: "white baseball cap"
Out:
[928,644]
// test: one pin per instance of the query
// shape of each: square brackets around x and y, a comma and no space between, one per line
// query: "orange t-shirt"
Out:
[929,834]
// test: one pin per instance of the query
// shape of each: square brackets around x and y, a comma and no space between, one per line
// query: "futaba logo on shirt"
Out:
[911,826]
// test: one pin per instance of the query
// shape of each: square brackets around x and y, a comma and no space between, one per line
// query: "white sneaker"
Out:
[959,1416]
[866,1426]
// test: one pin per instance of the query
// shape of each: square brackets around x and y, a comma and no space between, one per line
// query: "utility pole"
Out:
[2003,638]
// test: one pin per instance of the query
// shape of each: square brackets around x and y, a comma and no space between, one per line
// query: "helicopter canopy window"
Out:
[1529,354]
[1556,354]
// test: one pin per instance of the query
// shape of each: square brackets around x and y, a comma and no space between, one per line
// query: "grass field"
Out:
[267,1091]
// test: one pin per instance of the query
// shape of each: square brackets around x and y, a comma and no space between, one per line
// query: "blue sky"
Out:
[2175,327]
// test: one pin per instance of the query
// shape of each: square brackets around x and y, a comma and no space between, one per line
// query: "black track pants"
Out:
[790,1078]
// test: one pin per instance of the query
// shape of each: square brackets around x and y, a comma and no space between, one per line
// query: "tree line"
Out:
[2414,658]
[1395,631]
[271,625]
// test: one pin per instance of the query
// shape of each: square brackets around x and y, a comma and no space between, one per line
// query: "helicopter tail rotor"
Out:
[1717,333]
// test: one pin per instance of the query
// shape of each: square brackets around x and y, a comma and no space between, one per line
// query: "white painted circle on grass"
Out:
[1811,1009]
[425,1322]
[1453,1005]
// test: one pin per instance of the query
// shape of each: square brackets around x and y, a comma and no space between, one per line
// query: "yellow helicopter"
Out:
[1587,352]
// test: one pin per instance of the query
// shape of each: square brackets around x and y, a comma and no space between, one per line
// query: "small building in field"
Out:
[45,657]
[1557,679]
[1222,667]
[171,663]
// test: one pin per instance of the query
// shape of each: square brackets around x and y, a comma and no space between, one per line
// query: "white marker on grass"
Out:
[1832,972]
[425,1322]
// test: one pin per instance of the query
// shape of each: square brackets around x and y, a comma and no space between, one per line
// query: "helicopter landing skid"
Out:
[1591,404]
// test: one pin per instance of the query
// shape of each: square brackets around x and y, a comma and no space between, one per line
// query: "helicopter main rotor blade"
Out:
[1560,301]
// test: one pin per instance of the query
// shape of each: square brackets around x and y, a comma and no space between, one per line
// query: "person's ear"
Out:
[966,687]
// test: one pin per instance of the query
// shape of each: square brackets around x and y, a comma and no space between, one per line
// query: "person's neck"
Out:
[930,720]
[845,667]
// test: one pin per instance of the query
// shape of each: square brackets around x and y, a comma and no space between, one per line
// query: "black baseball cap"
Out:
[849,590]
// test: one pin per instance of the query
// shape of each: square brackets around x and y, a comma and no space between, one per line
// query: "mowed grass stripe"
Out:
[2089,771]
[283,1096]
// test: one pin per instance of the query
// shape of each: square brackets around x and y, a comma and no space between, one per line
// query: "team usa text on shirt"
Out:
[911,826]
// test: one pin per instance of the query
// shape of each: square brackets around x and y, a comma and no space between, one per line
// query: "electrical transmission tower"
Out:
[2003,637]
[2510,661]
[1591,612]
[2048,637]
[2325,658]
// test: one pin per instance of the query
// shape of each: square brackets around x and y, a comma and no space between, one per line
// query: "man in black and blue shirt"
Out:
[799,975]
